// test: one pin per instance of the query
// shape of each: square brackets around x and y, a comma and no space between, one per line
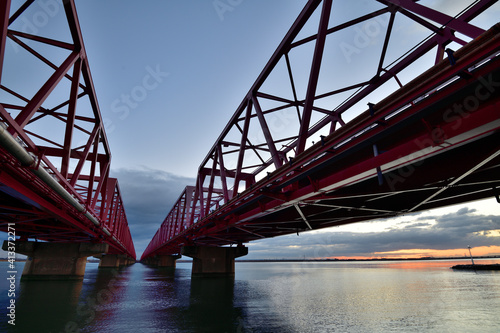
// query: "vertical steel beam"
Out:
[116,214]
[161,234]
[177,217]
[102,181]
[292,84]
[73,23]
[181,211]
[113,206]
[184,217]
[173,219]
[241,153]
[93,168]
[107,205]
[267,134]
[314,75]
[189,191]
[167,227]
[201,194]
[195,198]
[85,154]
[107,200]
[223,174]
[171,222]
[211,182]
[70,121]
[386,42]
[4,26]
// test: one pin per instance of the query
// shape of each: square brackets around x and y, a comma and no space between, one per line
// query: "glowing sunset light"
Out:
[419,253]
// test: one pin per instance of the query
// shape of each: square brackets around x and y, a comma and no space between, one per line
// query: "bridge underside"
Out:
[401,192]
[368,200]
[441,150]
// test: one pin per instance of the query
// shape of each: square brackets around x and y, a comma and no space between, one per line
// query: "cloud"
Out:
[450,231]
[464,221]
[148,195]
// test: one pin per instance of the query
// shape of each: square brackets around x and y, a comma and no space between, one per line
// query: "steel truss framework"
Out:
[389,160]
[54,157]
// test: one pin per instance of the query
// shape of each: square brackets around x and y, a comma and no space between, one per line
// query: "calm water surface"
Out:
[413,296]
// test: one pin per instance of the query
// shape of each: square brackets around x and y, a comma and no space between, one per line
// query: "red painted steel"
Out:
[58,127]
[386,161]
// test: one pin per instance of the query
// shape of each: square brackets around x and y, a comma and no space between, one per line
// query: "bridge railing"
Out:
[288,108]
[49,108]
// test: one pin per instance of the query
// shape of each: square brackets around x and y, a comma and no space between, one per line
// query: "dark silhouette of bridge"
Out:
[378,152]
[55,187]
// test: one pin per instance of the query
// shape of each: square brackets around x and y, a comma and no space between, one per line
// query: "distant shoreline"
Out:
[368,259]
[329,260]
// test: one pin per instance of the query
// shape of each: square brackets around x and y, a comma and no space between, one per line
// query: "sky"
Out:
[169,75]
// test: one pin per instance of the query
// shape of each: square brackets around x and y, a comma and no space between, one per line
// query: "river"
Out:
[373,296]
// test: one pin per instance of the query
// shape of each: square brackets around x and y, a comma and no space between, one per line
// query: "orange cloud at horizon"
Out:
[419,253]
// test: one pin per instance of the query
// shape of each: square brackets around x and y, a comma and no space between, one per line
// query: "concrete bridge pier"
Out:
[123,260]
[167,261]
[151,261]
[112,260]
[126,260]
[213,261]
[56,261]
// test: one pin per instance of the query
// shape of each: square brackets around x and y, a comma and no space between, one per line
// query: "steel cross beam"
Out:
[457,180]
[251,149]
[55,153]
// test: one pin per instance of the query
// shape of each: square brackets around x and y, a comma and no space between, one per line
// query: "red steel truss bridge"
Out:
[320,140]
[54,154]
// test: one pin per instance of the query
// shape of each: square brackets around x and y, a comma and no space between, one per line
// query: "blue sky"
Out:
[207,65]
[170,74]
